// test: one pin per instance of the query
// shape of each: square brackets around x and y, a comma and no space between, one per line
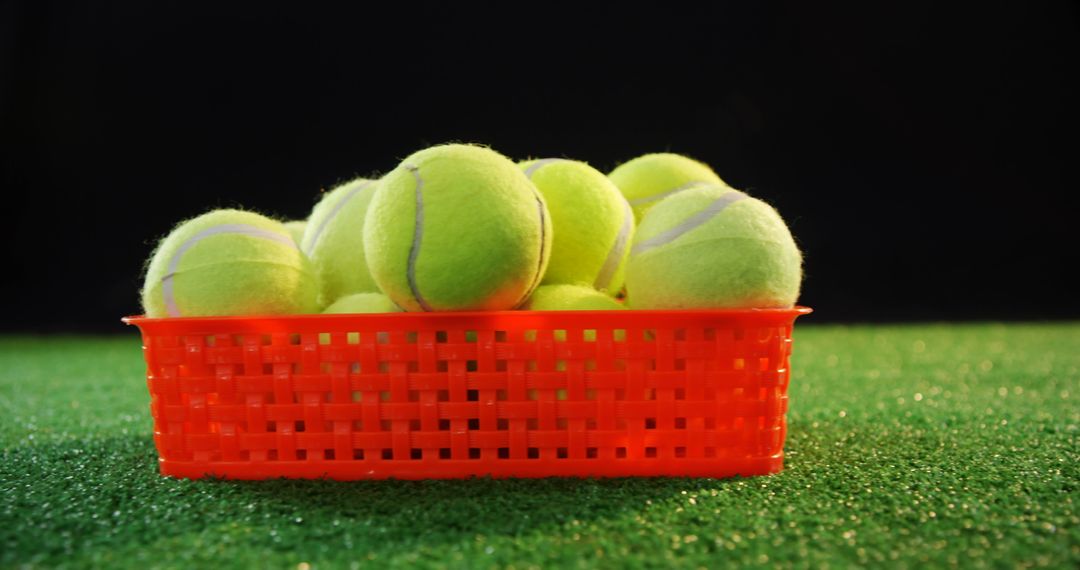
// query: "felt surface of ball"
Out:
[296,230]
[363,303]
[229,262]
[334,241]
[457,227]
[649,178]
[713,247]
[592,224]
[570,298]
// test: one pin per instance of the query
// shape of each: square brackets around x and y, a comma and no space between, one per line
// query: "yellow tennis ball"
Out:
[362,303]
[229,262]
[457,227]
[334,240]
[296,230]
[570,298]
[592,224]
[713,247]
[650,178]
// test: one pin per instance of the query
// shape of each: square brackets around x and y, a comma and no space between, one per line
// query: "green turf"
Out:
[907,446]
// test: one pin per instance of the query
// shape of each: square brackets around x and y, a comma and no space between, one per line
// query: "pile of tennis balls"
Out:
[463,228]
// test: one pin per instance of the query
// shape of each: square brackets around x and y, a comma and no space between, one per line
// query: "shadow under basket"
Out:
[450,395]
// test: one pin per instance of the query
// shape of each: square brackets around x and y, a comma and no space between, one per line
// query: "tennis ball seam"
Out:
[539,273]
[671,234]
[418,235]
[333,214]
[174,262]
[615,252]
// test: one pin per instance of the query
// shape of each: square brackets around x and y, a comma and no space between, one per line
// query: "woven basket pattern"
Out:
[580,394]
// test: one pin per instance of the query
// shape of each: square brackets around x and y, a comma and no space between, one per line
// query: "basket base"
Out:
[446,469]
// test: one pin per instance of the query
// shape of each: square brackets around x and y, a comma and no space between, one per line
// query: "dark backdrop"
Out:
[924,156]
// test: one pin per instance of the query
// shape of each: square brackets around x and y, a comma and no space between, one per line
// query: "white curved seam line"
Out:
[418,235]
[540,266]
[174,263]
[615,254]
[662,195]
[333,214]
[540,164]
[711,211]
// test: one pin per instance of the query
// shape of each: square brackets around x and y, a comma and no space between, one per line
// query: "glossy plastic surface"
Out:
[447,395]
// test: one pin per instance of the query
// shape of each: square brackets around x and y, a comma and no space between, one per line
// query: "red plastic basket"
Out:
[446,395]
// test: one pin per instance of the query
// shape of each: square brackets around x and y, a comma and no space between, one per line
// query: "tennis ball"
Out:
[334,240]
[229,262]
[570,298]
[650,178]
[363,303]
[592,225]
[457,227]
[296,230]
[712,246]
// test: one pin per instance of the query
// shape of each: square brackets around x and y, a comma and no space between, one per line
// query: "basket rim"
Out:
[798,310]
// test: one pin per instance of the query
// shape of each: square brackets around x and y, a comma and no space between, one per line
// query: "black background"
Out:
[924,156]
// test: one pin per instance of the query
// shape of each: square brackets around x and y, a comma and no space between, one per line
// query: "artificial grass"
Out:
[907,446]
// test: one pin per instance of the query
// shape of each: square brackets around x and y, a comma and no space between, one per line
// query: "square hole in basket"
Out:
[680,423]
[416,454]
[471,366]
[620,453]
[271,426]
[358,425]
[358,454]
[680,452]
[504,453]
[358,396]
[591,453]
[301,454]
[441,336]
[502,424]
[561,423]
[300,426]
[591,424]
[414,425]
[442,395]
[271,455]
[474,424]
[384,396]
[444,453]
[533,453]
[561,453]
[561,394]
[387,453]
[474,453]
[650,452]
[444,425]
[650,423]
[502,395]
[680,393]
[472,395]
[532,423]
[386,425]
[329,454]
